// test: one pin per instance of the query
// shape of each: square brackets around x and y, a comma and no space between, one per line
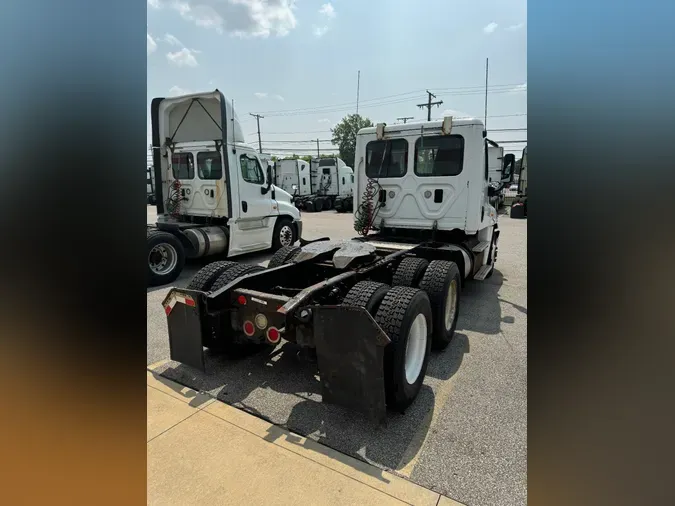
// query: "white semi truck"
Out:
[373,308]
[215,195]
[316,186]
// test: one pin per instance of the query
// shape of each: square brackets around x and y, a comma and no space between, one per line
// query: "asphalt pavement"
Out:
[465,436]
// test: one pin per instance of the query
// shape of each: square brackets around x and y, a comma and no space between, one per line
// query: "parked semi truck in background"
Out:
[317,185]
[519,206]
[215,195]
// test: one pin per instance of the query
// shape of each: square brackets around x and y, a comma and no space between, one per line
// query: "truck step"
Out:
[482,272]
[480,247]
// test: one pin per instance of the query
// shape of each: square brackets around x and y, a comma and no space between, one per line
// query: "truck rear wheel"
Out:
[208,275]
[406,317]
[309,206]
[166,257]
[283,256]
[366,294]
[410,271]
[327,204]
[318,205]
[442,283]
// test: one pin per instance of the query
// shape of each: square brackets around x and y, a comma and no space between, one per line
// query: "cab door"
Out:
[257,211]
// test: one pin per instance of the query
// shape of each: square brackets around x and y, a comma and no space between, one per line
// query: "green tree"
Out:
[344,136]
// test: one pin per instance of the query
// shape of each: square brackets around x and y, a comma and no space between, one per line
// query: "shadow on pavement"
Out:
[283,389]
[479,306]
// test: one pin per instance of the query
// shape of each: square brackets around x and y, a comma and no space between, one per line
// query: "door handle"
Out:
[244,206]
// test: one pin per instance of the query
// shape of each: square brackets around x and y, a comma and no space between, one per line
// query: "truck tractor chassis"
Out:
[370,309]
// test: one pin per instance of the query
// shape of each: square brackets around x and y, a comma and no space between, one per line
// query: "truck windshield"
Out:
[326,162]
[441,155]
[387,158]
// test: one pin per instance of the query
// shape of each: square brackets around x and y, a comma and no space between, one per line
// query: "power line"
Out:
[498,88]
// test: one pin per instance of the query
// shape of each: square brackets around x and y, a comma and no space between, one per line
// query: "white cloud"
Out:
[155,4]
[184,57]
[327,10]
[455,114]
[260,94]
[170,39]
[324,120]
[319,31]
[490,28]
[152,45]
[243,18]
[177,90]
[279,98]
[514,28]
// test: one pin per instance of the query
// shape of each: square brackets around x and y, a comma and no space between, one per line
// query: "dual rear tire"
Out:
[404,313]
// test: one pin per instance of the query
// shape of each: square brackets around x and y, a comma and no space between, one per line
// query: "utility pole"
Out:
[318,155]
[405,120]
[257,118]
[358,86]
[486,93]
[429,104]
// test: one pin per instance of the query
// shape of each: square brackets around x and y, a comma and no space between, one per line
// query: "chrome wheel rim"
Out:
[162,259]
[415,348]
[286,235]
[451,305]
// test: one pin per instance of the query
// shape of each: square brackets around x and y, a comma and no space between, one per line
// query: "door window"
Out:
[183,166]
[209,165]
[251,170]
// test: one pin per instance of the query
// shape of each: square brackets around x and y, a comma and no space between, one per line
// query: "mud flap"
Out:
[350,354]
[185,329]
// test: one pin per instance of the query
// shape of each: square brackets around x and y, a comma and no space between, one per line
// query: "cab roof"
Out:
[416,126]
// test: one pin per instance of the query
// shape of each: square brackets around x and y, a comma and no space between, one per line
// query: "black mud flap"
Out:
[350,354]
[182,310]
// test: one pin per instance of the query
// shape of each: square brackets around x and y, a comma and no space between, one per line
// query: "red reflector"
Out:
[190,302]
[273,335]
[249,329]
[242,300]
[167,310]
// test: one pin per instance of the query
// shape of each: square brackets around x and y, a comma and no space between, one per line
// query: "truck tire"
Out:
[166,257]
[327,204]
[442,283]
[309,206]
[233,273]
[409,272]
[207,275]
[366,294]
[283,256]
[318,205]
[222,336]
[285,234]
[406,317]
[339,205]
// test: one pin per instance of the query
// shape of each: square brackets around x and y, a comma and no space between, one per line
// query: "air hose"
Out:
[175,198]
[364,215]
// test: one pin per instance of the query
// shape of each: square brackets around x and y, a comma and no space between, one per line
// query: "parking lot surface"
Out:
[465,436]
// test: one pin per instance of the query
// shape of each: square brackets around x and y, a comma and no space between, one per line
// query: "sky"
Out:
[296,62]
